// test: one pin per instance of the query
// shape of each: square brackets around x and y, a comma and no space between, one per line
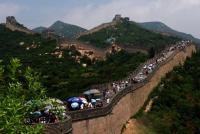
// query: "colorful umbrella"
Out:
[74,99]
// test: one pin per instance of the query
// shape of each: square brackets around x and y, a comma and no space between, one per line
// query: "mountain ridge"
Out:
[62,29]
[126,33]
[71,31]
[160,27]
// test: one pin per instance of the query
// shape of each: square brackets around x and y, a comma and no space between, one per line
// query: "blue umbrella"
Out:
[74,99]
[74,105]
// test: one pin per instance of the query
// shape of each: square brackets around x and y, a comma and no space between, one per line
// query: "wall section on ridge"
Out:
[130,103]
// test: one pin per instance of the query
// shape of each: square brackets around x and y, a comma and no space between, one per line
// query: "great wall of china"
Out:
[13,25]
[116,19]
[111,118]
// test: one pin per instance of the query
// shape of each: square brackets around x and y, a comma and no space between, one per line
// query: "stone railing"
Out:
[97,112]
[107,109]
[64,127]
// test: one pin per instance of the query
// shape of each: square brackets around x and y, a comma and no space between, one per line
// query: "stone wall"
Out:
[13,25]
[96,29]
[112,122]
[64,127]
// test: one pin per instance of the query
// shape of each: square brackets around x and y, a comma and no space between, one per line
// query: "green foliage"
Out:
[12,68]
[12,113]
[15,93]
[128,33]
[177,107]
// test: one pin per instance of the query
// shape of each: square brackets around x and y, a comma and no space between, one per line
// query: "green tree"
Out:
[16,91]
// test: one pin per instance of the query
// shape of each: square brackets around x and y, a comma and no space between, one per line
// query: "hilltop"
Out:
[127,33]
[14,25]
[62,29]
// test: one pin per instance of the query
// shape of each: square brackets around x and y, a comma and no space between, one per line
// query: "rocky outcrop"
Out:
[12,24]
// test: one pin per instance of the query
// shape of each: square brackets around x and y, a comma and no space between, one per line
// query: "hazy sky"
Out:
[182,15]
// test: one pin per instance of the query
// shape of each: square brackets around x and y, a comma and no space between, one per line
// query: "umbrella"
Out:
[74,105]
[83,100]
[74,99]
[92,91]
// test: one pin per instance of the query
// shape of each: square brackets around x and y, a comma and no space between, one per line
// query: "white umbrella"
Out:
[74,105]
[84,100]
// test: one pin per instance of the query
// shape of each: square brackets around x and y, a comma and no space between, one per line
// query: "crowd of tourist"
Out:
[48,110]
[42,116]
[112,89]
[84,102]
[142,74]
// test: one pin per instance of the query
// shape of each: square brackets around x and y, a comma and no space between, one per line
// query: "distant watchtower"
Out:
[117,18]
[11,20]
[13,25]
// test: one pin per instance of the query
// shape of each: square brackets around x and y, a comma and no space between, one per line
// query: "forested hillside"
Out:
[128,33]
[176,103]
[64,76]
